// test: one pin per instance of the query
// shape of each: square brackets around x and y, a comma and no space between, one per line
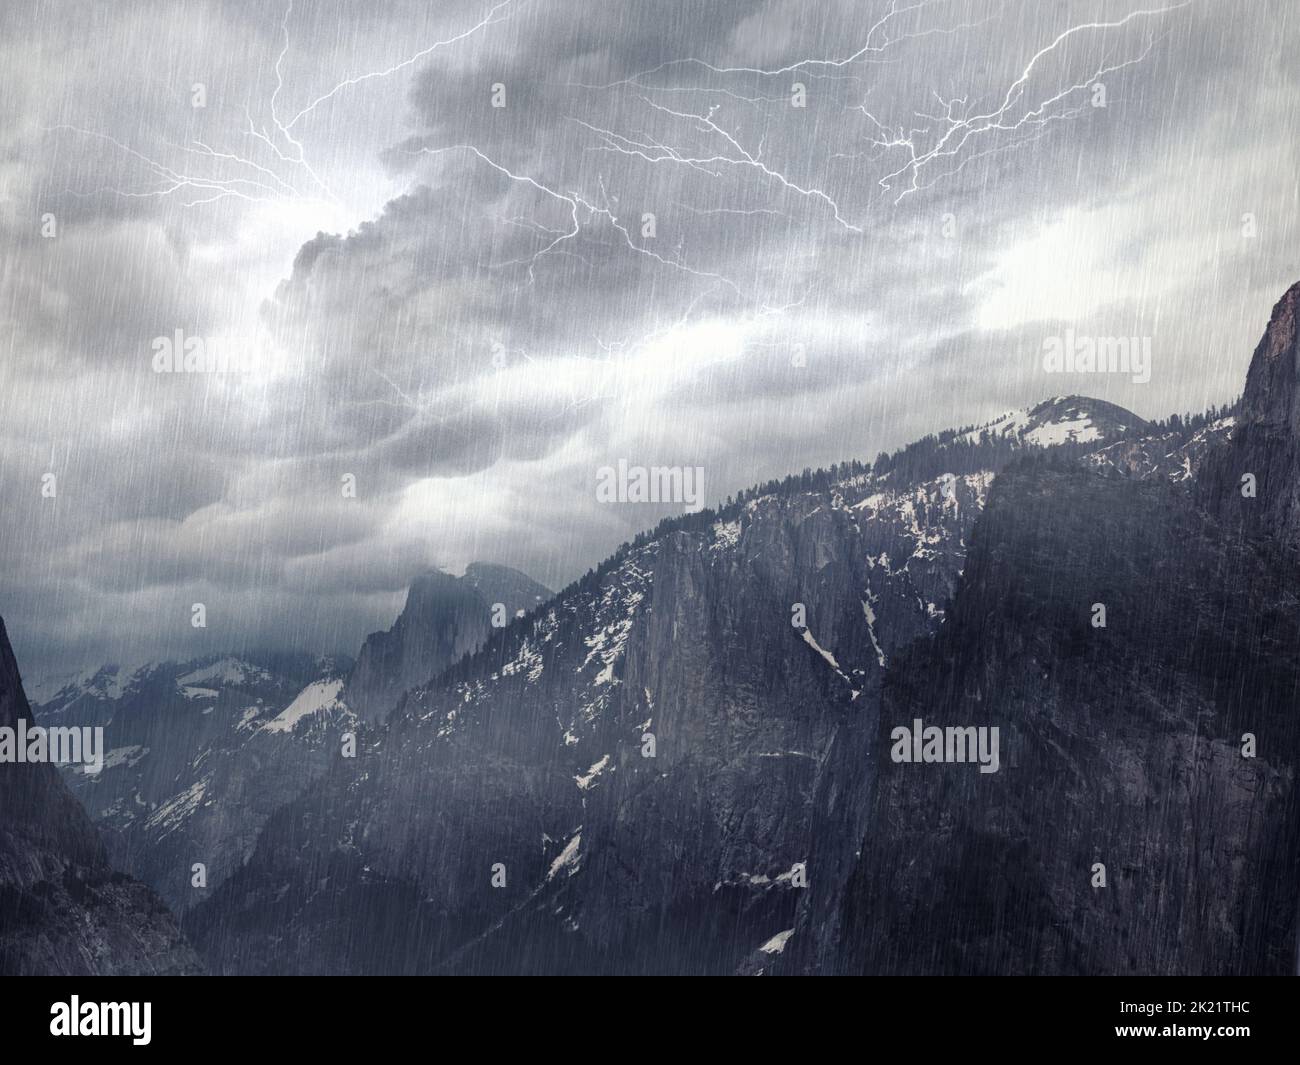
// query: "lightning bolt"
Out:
[871,46]
[246,188]
[657,153]
[490,19]
[961,129]
[259,182]
[578,206]
[948,141]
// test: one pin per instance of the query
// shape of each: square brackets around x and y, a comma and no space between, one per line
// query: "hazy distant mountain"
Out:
[444,619]
[201,752]
[198,755]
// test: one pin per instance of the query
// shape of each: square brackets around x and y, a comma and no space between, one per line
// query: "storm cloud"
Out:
[473,253]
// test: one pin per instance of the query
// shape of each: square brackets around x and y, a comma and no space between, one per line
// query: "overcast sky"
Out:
[867,219]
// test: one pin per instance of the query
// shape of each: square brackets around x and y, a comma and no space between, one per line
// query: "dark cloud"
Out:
[466,309]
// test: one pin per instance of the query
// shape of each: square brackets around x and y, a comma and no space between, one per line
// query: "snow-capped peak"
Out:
[1060,420]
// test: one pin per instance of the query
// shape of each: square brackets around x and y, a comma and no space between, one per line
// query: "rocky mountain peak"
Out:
[1255,482]
[501,584]
[425,591]
[444,618]
[1271,382]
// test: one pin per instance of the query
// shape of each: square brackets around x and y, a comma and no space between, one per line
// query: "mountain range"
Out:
[681,763]
[663,767]
[202,752]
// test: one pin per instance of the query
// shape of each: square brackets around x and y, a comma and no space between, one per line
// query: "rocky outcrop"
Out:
[63,910]
[1173,456]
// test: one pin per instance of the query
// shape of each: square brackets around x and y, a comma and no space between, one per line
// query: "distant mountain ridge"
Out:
[199,753]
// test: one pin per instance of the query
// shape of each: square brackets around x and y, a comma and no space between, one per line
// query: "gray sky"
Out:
[463,306]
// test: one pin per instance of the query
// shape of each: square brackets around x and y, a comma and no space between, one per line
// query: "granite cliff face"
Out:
[1269,401]
[641,763]
[1121,746]
[63,910]
[1253,485]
